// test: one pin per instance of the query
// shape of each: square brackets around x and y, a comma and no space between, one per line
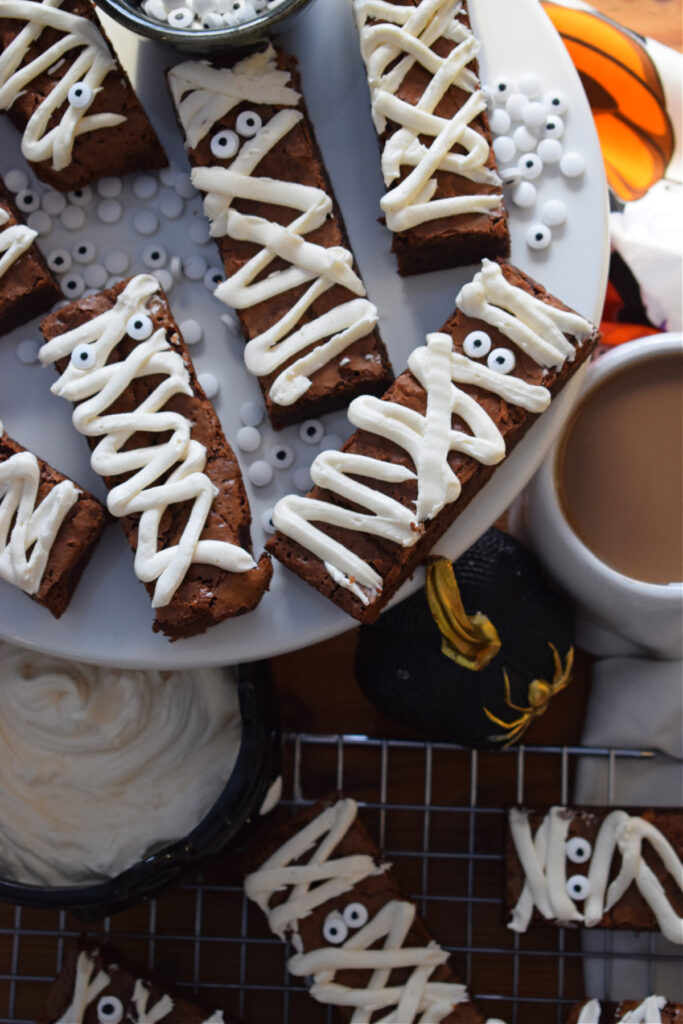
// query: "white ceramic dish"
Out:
[109,620]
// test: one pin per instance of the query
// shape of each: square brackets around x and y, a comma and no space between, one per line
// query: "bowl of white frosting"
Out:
[114,782]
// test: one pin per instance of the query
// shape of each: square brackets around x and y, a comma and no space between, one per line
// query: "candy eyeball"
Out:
[225,144]
[27,200]
[311,431]
[530,166]
[501,360]
[154,256]
[477,344]
[281,456]
[59,260]
[355,915]
[109,1010]
[83,357]
[248,124]
[578,850]
[139,327]
[502,88]
[538,236]
[79,95]
[554,127]
[556,102]
[578,887]
[84,252]
[335,930]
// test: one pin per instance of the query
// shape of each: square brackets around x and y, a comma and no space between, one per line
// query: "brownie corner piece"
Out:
[27,286]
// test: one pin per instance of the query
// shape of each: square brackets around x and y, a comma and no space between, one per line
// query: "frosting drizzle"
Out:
[89,68]
[14,241]
[395,38]
[168,473]
[203,94]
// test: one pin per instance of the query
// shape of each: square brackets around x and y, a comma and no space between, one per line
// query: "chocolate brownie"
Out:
[297,290]
[99,985]
[84,87]
[503,382]
[597,845]
[27,287]
[656,1010]
[181,500]
[69,530]
[354,933]
[434,135]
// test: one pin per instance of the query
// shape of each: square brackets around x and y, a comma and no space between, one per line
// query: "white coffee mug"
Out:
[617,614]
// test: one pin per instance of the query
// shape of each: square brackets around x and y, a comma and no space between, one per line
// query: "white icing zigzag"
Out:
[543,860]
[14,241]
[203,94]
[24,552]
[90,67]
[98,386]
[648,1012]
[534,326]
[417,998]
[87,989]
[393,39]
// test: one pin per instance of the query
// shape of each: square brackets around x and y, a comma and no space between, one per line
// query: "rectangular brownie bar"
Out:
[27,288]
[173,479]
[322,883]
[623,867]
[444,198]
[99,984]
[64,89]
[311,333]
[48,527]
[653,1010]
[424,450]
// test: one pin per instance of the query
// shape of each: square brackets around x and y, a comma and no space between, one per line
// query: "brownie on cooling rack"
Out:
[653,1010]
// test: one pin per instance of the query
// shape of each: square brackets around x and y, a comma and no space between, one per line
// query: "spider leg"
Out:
[508,695]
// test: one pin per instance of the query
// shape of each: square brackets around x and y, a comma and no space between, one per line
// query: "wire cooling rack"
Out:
[435,808]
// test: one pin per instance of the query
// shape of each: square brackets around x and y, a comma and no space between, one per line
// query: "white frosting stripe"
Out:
[14,241]
[28,530]
[202,96]
[418,999]
[543,863]
[647,1012]
[86,990]
[427,439]
[394,38]
[90,66]
[96,389]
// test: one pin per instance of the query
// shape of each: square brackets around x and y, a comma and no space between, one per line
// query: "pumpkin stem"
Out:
[470,640]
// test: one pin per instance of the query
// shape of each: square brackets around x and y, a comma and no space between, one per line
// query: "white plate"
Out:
[109,620]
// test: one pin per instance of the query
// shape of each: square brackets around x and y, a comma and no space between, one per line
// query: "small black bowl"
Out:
[256,769]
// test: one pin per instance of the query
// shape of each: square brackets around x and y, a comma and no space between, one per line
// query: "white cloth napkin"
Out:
[638,705]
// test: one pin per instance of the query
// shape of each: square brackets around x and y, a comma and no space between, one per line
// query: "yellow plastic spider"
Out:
[539,695]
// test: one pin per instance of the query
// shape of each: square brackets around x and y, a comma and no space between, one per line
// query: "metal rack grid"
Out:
[435,808]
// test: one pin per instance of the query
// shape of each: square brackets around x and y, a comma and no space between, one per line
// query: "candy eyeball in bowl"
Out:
[203,26]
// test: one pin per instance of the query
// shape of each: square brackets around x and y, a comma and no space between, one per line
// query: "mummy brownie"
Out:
[623,867]
[177,487]
[64,89]
[27,286]
[48,527]
[427,447]
[652,1010]
[323,885]
[311,332]
[444,199]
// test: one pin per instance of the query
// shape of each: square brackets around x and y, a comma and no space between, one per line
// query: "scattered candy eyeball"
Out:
[523,139]
[530,166]
[550,151]
[194,267]
[95,275]
[578,887]
[16,180]
[535,115]
[27,351]
[572,165]
[556,102]
[281,456]
[530,84]
[154,257]
[180,17]
[109,211]
[213,277]
[505,149]
[267,523]
[83,357]
[248,438]
[84,252]
[578,850]
[39,221]
[145,222]
[191,331]
[510,175]
[251,414]
[225,144]
[355,915]
[538,236]
[502,88]
[248,124]
[59,261]
[117,261]
[79,95]
[139,327]
[516,104]
[501,122]
[73,218]
[335,930]
[260,473]
[80,196]
[72,286]
[53,202]
[501,360]
[524,195]
[477,344]
[311,431]
[553,127]
[145,186]
[209,384]
[110,1010]
[302,479]
[554,213]
[27,200]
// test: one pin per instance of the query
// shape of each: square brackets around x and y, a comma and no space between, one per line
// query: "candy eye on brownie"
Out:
[355,915]
[335,930]
[477,344]
[578,850]
[578,887]
[139,327]
[79,95]
[502,360]
[83,357]
[225,144]
[109,1010]
[248,124]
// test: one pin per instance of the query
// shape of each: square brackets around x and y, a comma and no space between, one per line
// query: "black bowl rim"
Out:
[132,17]
[245,790]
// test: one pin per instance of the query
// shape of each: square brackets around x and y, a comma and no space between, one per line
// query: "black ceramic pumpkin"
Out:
[500,651]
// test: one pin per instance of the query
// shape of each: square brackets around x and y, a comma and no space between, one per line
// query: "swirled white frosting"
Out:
[100,766]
